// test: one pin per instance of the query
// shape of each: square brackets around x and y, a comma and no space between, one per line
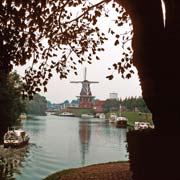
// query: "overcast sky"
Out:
[61,90]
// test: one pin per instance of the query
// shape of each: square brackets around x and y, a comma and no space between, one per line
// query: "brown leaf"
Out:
[116,42]
[110,77]
[128,75]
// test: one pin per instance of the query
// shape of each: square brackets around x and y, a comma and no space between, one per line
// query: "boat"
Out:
[142,125]
[112,118]
[15,138]
[69,114]
[87,115]
[100,115]
[121,122]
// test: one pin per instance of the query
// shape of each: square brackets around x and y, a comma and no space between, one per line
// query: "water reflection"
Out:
[100,140]
[84,136]
[11,160]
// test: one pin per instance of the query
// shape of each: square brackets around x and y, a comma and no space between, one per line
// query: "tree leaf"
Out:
[116,42]
[110,77]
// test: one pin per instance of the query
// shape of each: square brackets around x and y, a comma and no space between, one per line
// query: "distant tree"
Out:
[141,105]
[75,101]
[135,102]
[111,105]
[66,102]
[37,106]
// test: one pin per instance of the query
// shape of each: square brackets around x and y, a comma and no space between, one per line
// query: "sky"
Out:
[61,90]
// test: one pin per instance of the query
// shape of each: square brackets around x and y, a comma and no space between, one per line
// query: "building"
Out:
[113,96]
[98,106]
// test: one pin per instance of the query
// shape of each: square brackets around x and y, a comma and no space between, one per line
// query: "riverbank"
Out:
[130,115]
[137,116]
[106,171]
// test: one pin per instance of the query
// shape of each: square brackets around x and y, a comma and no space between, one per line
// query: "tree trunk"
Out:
[156,56]
[4,104]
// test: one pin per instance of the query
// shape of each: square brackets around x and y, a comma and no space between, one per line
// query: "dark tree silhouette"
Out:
[156,57]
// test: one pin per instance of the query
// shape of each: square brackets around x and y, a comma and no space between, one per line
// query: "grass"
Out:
[135,116]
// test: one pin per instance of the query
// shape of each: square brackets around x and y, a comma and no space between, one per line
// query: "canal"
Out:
[58,143]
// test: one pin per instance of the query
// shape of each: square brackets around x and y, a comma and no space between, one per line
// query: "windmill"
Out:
[85,98]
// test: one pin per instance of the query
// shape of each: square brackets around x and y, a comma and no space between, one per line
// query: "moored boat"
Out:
[69,114]
[87,116]
[121,122]
[100,115]
[15,138]
[142,125]
[112,118]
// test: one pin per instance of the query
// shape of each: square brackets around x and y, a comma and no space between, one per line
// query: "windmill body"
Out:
[85,98]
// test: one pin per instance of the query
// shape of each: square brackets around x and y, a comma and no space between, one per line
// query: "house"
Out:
[98,106]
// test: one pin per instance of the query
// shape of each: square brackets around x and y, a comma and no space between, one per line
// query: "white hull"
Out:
[87,116]
[15,138]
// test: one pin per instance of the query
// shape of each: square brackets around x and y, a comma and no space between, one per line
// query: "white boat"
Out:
[87,115]
[67,114]
[121,122]
[100,115]
[142,125]
[112,118]
[15,138]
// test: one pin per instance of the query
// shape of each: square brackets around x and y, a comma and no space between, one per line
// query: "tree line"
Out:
[135,103]
[128,104]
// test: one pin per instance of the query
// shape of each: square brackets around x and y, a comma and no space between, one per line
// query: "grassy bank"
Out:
[135,116]
[131,116]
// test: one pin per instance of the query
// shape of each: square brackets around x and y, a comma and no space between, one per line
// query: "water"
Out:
[58,143]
